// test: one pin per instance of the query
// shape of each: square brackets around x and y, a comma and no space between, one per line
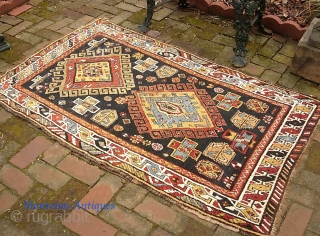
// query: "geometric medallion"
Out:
[166,110]
[257,106]
[175,113]
[81,75]
[88,104]
[165,71]
[220,152]
[242,141]
[148,64]
[243,120]
[209,169]
[184,149]
[95,71]
[228,101]
[105,117]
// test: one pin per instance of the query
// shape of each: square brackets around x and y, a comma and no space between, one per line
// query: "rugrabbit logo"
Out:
[47,217]
[56,212]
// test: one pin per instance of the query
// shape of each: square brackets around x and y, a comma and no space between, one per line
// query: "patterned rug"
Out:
[211,139]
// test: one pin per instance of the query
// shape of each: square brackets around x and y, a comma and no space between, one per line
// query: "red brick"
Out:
[102,192]
[48,175]
[17,11]
[4,27]
[15,179]
[314,225]
[252,69]
[30,152]
[71,14]
[121,234]
[80,22]
[141,3]
[55,153]
[156,211]
[296,220]
[11,20]
[161,14]
[4,115]
[195,218]
[128,7]
[79,169]
[131,195]
[153,33]
[40,25]
[88,224]
[160,232]
[8,228]
[65,30]
[60,24]
[128,221]
[121,17]
[18,28]
[90,11]
[7,200]
[162,215]
[2,187]
[315,135]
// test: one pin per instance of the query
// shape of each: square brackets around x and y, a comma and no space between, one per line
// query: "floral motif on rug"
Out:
[214,140]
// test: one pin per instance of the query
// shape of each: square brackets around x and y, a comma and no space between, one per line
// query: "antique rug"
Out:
[211,139]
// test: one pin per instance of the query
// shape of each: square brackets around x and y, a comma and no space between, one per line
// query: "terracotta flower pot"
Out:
[288,29]
[8,5]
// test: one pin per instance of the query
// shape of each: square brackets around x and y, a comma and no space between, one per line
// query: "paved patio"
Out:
[33,166]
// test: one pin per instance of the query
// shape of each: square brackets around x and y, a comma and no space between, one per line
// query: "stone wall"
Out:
[306,61]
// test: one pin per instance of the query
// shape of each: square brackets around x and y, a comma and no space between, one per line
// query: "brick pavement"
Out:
[33,167]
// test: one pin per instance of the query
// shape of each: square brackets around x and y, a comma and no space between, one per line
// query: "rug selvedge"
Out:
[210,137]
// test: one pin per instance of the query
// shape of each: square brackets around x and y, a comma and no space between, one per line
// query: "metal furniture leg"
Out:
[150,9]
[247,12]
[147,21]
[183,4]
[3,44]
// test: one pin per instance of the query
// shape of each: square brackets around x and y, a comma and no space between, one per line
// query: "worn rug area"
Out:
[211,139]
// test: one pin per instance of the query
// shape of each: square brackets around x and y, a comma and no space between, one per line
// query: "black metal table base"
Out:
[247,12]
[3,44]
[150,9]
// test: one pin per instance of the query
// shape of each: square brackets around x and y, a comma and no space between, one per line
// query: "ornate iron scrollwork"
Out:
[247,12]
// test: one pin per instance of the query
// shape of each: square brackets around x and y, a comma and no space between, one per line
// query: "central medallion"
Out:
[82,75]
[167,110]
[93,72]
[175,113]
